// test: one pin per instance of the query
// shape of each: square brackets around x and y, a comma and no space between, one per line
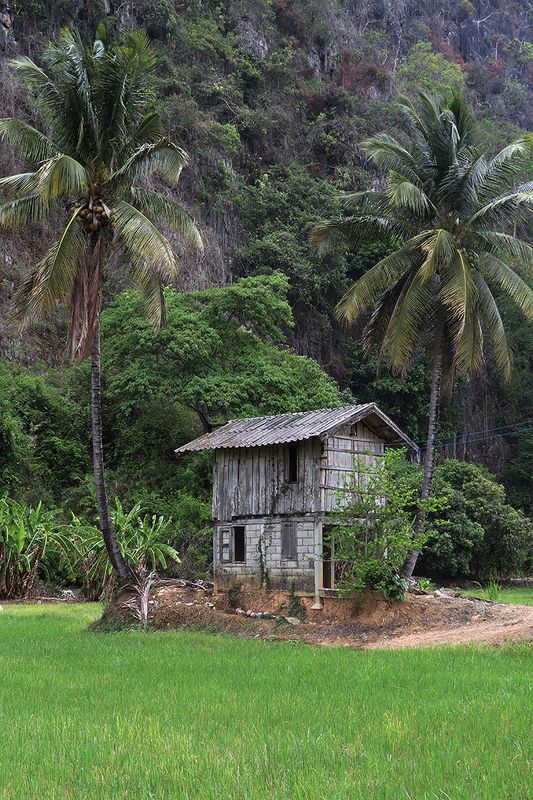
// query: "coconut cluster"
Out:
[94,215]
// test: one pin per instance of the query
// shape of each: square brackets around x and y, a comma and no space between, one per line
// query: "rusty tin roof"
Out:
[285,428]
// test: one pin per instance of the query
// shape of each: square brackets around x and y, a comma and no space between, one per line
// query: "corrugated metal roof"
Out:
[284,428]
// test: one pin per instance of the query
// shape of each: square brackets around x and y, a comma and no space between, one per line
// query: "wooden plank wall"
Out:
[251,481]
[341,453]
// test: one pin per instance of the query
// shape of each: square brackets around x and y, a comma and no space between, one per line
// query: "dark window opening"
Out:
[239,543]
[292,463]
[327,573]
[289,549]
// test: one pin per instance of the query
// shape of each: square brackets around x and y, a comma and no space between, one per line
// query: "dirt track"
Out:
[510,624]
[371,622]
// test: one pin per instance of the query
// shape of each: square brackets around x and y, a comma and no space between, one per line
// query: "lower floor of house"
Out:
[294,553]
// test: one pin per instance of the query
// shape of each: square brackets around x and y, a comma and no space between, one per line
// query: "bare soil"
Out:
[369,621]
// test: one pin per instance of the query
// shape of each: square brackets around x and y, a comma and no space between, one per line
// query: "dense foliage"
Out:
[30,538]
[471,530]
[35,543]
[480,535]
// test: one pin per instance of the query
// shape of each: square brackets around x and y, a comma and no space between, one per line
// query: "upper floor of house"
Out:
[294,464]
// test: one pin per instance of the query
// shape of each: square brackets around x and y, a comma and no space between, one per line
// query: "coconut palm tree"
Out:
[91,169]
[450,215]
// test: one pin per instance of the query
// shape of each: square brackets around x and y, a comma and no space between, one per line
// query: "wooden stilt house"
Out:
[275,488]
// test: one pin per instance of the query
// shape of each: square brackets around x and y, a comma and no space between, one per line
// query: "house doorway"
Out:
[328,558]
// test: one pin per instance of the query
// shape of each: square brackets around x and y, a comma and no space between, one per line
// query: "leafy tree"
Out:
[42,438]
[103,144]
[218,356]
[479,534]
[451,213]
[275,210]
[425,69]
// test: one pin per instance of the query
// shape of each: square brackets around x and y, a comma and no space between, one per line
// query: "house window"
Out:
[239,543]
[289,545]
[292,463]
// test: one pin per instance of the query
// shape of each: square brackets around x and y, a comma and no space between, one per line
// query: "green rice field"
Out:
[198,716]
[519,596]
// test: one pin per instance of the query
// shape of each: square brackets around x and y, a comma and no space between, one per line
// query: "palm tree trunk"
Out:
[429,460]
[124,573]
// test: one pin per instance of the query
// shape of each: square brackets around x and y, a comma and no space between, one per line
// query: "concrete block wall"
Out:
[263,542]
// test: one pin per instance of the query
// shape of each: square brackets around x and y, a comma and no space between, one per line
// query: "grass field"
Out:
[194,716]
[519,596]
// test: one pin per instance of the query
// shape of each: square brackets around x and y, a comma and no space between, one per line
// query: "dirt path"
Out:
[512,624]
[371,622]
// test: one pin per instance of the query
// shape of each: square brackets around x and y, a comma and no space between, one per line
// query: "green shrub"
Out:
[425,584]
[378,506]
[479,534]
[494,591]
[30,538]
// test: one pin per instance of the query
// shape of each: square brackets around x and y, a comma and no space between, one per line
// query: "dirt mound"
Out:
[367,621]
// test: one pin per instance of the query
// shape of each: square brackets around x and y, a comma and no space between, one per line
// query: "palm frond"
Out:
[35,79]
[142,241]
[407,323]
[499,274]
[31,143]
[22,183]
[509,245]
[149,282]
[53,277]
[350,232]
[388,154]
[493,323]
[61,176]
[22,211]
[149,131]
[81,65]
[351,201]
[467,352]
[403,193]
[378,323]
[170,213]
[367,289]
[458,293]
[503,168]
[522,195]
[163,157]
[440,249]
[458,187]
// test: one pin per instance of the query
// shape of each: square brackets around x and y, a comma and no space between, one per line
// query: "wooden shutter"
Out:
[225,544]
[289,545]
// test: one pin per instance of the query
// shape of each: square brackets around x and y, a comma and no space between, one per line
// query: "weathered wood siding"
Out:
[340,454]
[252,481]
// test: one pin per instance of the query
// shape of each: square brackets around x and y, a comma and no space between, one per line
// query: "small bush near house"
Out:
[375,526]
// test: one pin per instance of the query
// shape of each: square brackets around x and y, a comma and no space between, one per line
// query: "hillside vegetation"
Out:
[272,99]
